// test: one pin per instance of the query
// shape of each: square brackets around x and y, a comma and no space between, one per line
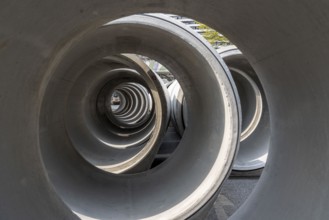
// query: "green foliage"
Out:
[212,36]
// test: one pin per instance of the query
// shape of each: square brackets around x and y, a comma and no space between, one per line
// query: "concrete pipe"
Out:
[63,163]
[255,132]
[286,41]
[177,103]
[115,141]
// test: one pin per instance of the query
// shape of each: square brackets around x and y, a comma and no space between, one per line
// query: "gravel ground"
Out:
[234,192]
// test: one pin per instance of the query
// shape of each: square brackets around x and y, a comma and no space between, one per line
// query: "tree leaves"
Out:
[213,37]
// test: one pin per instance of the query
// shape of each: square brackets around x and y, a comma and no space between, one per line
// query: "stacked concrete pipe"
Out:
[115,140]
[286,41]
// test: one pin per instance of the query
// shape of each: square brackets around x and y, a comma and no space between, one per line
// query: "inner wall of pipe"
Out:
[285,41]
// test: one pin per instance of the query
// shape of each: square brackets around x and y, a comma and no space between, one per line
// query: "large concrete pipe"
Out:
[286,41]
[255,132]
[63,170]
